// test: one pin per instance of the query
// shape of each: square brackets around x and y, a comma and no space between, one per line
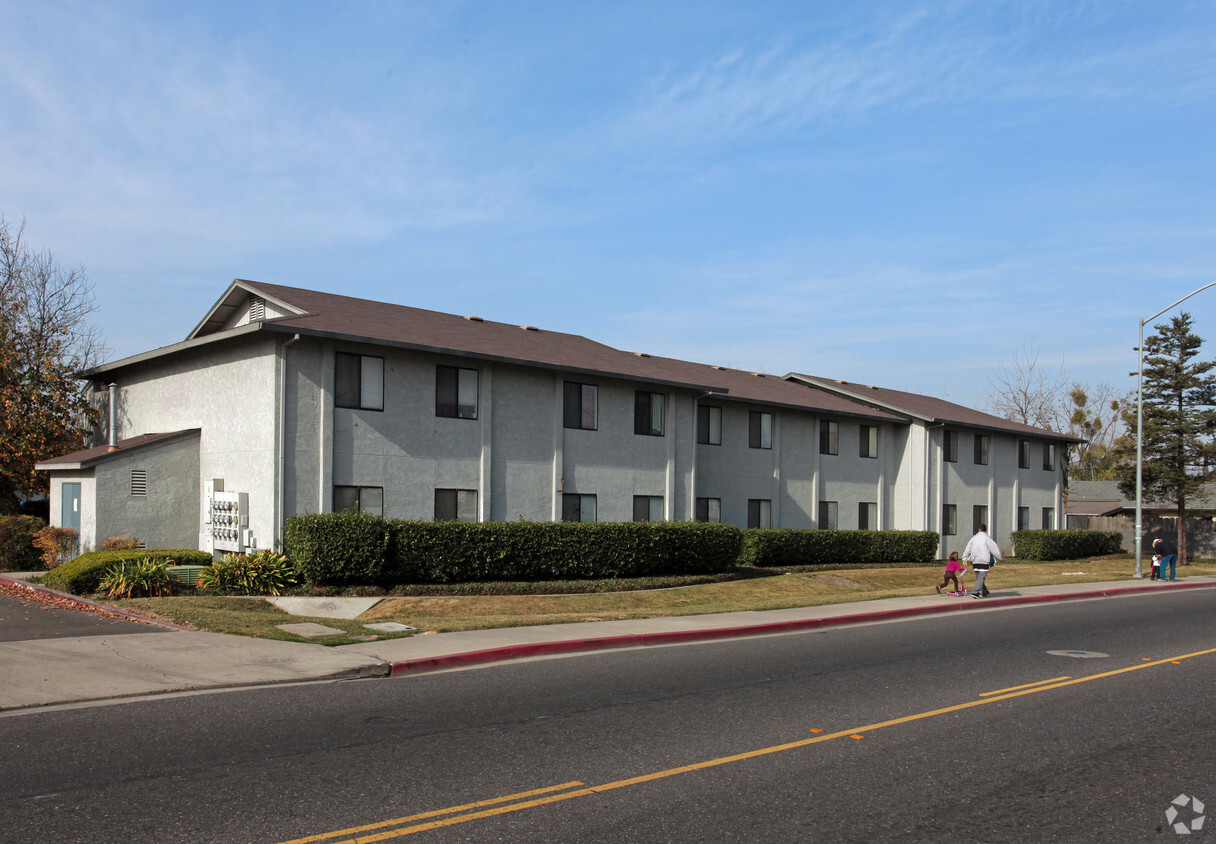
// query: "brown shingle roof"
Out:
[90,456]
[417,328]
[927,407]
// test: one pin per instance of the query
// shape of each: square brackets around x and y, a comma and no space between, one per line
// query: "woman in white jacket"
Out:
[981,552]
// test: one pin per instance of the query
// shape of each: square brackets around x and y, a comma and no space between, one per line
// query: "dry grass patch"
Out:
[441,614]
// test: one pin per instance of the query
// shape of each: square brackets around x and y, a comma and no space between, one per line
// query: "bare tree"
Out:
[1096,415]
[1026,391]
[46,338]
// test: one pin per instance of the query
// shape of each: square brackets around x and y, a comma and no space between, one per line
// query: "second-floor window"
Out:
[1049,456]
[869,441]
[760,429]
[981,449]
[358,381]
[1023,454]
[709,425]
[581,406]
[648,414]
[829,437]
[950,446]
[456,392]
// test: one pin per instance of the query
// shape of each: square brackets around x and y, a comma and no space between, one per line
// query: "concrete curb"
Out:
[106,608]
[437,663]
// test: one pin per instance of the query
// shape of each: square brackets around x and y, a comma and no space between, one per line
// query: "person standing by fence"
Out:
[1169,556]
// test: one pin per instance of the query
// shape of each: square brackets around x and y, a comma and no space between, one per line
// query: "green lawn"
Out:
[445,613]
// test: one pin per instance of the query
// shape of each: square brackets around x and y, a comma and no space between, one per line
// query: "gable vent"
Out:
[257,309]
[139,481]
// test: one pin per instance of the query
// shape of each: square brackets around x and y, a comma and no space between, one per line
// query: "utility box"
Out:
[227,521]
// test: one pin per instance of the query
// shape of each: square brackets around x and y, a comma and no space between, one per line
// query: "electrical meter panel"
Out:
[228,520]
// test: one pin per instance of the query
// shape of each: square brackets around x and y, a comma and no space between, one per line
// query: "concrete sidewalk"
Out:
[101,668]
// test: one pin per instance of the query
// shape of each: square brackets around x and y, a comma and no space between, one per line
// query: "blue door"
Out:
[70,515]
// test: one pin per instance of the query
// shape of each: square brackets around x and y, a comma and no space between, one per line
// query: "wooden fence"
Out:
[1200,533]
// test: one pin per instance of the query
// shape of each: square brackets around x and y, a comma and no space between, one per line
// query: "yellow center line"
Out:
[994,697]
[432,814]
[1026,686]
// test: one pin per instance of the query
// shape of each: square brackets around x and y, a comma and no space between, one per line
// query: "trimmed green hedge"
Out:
[1065,544]
[17,551]
[82,575]
[337,549]
[775,547]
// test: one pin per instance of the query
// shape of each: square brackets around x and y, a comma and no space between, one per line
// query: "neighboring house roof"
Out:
[1103,498]
[927,408]
[92,456]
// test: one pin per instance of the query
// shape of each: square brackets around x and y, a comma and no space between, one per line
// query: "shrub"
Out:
[119,543]
[146,578]
[774,547]
[263,573]
[17,549]
[1065,544]
[457,552]
[57,544]
[83,574]
[338,548]
[345,548]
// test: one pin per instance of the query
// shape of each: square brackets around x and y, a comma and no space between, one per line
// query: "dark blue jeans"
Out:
[1170,560]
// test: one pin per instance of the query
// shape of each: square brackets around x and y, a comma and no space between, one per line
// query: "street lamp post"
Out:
[1140,425]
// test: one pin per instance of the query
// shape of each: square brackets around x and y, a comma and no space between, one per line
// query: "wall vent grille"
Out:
[139,481]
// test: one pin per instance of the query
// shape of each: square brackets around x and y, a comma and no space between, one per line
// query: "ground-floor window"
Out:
[359,499]
[867,515]
[456,505]
[709,510]
[759,513]
[648,508]
[578,508]
[828,515]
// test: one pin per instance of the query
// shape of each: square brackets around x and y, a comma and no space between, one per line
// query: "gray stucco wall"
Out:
[229,392]
[167,515]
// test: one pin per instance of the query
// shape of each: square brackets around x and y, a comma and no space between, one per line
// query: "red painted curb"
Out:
[633,640]
[133,616]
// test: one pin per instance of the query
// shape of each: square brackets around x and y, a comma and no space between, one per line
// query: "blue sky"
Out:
[896,193]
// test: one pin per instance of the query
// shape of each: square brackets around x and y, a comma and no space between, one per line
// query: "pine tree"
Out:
[1178,420]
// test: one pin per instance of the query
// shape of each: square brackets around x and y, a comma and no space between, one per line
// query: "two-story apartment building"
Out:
[285,401]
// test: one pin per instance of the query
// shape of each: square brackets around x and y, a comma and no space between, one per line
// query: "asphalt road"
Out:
[960,728]
[26,615]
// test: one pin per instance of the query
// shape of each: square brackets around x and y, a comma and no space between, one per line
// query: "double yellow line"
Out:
[570,790]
